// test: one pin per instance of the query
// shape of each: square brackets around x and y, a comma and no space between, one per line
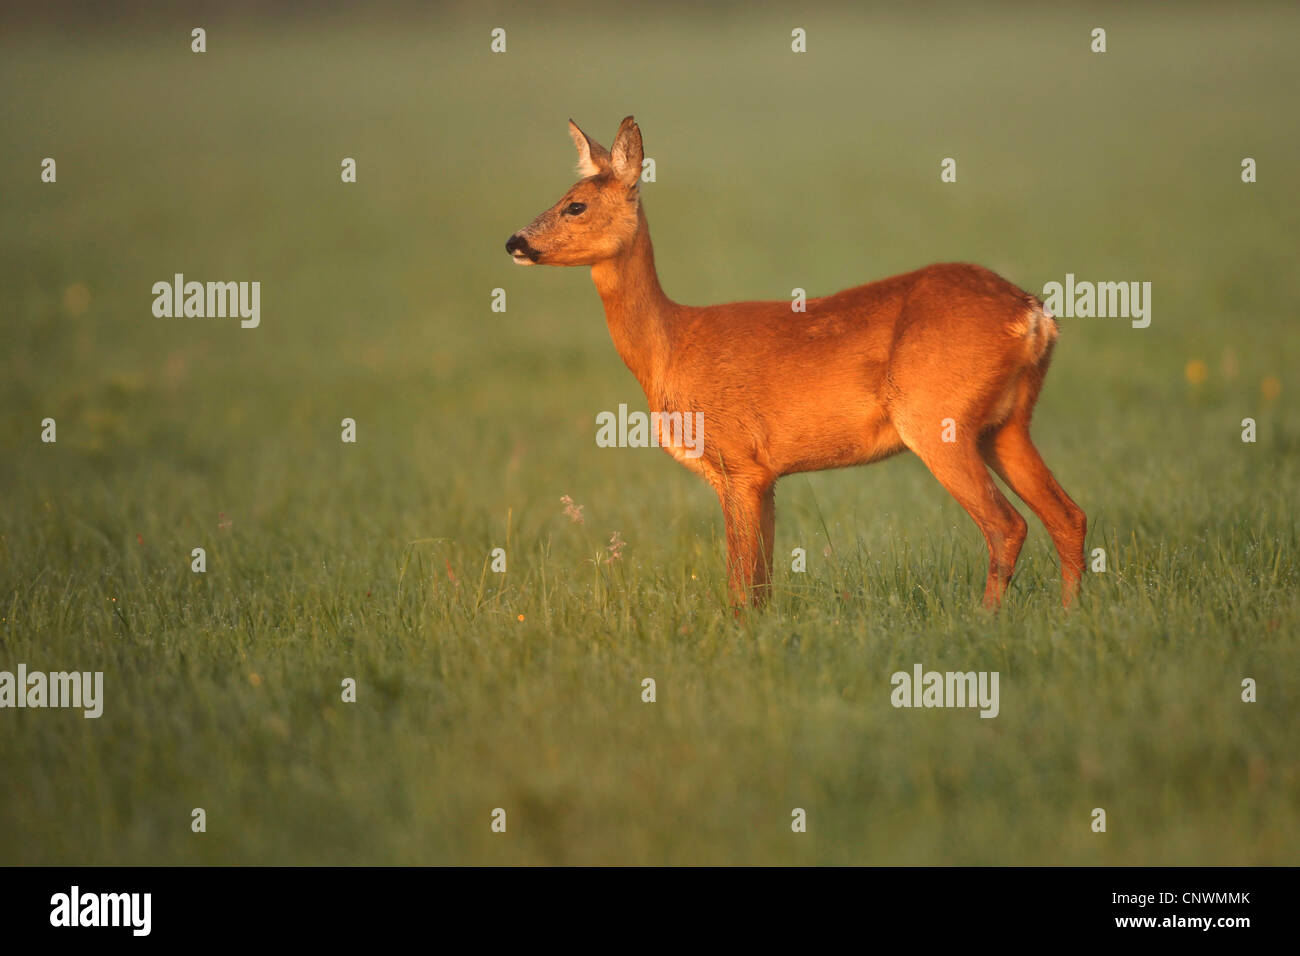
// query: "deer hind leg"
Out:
[960,469]
[1011,454]
[749,513]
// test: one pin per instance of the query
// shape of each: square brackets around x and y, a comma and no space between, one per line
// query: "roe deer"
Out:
[858,377]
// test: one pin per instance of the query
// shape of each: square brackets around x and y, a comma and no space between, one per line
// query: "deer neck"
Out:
[638,312]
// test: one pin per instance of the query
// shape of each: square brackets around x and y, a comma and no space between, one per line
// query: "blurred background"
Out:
[774,170]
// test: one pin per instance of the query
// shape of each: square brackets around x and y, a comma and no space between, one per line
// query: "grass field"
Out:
[522,691]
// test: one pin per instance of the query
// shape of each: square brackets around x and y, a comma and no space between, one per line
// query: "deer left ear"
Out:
[627,153]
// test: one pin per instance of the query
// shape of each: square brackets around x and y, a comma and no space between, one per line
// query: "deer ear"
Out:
[627,153]
[592,157]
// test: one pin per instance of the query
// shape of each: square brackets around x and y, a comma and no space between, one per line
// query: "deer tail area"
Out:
[1038,328]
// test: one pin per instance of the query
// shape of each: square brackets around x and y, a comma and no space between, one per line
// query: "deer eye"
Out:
[575,209]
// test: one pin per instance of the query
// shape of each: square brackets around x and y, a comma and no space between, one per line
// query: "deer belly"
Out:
[835,438]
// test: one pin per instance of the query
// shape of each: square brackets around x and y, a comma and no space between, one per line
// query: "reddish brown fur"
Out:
[861,375]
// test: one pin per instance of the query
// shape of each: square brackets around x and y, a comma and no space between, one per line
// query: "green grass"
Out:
[522,690]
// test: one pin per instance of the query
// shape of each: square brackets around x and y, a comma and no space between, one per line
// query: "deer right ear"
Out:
[592,157]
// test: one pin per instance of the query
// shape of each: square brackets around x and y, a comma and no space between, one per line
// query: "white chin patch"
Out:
[521,259]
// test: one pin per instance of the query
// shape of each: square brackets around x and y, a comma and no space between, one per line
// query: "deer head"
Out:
[596,219]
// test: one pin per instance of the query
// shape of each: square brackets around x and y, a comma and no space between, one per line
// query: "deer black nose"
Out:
[518,243]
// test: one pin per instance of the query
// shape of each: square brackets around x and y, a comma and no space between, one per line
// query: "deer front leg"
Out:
[749,512]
